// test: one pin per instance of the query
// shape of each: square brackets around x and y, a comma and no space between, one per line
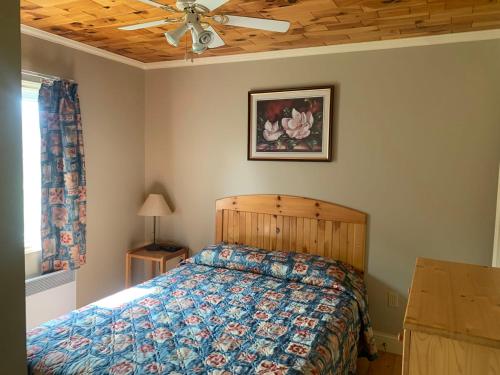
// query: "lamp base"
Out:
[158,247]
[152,247]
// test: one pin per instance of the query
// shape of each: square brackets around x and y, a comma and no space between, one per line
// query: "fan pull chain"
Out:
[190,51]
[186,50]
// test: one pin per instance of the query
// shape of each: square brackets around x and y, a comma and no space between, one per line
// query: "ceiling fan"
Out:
[195,19]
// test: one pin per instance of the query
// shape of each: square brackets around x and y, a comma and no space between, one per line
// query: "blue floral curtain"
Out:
[64,194]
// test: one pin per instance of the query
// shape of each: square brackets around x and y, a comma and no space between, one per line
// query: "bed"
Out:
[280,292]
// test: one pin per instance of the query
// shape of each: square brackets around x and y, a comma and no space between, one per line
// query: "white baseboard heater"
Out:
[49,296]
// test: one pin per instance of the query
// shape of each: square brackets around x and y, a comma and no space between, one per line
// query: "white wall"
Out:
[416,146]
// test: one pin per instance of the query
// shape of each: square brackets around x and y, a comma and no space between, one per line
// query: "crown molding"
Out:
[338,48]
[40,34]
[420,41]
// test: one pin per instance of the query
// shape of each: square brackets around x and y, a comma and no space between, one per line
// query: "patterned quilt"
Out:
[228,310]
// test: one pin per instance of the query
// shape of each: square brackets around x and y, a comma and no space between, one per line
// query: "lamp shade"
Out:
[154,205]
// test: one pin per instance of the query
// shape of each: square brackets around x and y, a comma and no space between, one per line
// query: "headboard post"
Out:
[218,226]
[289,223]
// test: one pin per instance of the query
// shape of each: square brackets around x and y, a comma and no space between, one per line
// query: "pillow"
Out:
[304,268]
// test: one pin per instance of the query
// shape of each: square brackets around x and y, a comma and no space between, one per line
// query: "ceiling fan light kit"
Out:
[195,20]
[173,37]
[198,47]
[201,35]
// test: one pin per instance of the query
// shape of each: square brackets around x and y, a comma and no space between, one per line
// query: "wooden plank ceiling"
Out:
[314,23]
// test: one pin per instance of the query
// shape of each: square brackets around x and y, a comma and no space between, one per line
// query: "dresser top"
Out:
[455,300]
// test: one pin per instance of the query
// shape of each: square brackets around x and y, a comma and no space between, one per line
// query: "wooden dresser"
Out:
[452,321]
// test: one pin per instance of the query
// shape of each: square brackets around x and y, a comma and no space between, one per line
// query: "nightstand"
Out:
[155,257]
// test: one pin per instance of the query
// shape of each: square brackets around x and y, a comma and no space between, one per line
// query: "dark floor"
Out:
[386,364]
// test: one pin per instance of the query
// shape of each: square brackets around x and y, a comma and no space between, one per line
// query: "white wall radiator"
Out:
[49,296]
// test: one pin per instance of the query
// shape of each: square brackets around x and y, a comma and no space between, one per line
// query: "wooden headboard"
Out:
[288,223]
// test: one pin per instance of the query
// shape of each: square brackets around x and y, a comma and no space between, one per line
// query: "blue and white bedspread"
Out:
[228,310]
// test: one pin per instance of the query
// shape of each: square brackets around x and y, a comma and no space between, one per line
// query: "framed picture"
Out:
[291,124]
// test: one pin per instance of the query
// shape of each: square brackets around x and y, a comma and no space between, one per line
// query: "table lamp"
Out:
[154,205]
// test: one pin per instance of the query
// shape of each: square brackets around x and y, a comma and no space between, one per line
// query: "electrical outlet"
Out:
[392,299]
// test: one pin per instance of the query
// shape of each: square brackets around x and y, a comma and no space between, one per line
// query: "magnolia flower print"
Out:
[272,131]
[299,125]
[290,125]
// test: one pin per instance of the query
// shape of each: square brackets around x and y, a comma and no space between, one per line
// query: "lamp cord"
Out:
[154,230]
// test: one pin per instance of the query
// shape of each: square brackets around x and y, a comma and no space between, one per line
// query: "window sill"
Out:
[29,250]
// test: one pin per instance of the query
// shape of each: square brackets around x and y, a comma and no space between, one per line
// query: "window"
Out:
[31,166]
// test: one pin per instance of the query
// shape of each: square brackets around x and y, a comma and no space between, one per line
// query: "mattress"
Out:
[228,310]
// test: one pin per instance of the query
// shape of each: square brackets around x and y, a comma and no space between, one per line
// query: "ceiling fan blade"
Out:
[216,39]
[211,4]
[153,3]
[258,23]
[145,25]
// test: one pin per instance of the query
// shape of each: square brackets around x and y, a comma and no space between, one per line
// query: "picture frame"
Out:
[293,124]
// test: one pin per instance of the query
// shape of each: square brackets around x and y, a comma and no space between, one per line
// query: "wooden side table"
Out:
[154,257]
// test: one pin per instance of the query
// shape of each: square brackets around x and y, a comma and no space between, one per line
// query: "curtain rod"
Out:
[43,76]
